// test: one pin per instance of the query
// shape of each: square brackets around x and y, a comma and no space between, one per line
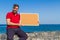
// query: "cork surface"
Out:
[29,19]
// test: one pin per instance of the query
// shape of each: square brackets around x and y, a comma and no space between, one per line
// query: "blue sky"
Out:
[48,10]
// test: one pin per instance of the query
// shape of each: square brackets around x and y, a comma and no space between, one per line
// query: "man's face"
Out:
[15,9]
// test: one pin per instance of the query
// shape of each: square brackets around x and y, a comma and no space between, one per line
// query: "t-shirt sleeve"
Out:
[8,16]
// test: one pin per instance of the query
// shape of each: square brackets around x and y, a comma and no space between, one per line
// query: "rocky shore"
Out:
[53,35]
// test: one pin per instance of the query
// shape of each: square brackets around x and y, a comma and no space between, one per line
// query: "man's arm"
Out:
[11,23]
[20,23]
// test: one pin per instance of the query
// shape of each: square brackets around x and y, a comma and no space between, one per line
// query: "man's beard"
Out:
[14,11]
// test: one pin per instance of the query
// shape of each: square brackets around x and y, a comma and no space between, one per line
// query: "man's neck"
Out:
[15,13]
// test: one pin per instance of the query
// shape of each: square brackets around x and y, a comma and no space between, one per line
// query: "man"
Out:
[13,24]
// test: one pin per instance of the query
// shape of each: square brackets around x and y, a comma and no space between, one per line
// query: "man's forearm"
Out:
[11,23]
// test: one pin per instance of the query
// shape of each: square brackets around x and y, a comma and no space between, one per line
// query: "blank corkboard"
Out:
[29,19]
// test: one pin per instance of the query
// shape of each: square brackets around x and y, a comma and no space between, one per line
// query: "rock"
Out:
[54,35]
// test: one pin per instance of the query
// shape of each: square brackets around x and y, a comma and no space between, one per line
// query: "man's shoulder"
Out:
[9,12]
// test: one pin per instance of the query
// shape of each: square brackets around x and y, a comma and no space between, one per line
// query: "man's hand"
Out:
[20,25]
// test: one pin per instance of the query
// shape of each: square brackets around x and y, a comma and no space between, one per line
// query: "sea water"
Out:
[41,27]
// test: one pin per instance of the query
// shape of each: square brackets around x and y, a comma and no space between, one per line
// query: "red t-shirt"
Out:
[13,18]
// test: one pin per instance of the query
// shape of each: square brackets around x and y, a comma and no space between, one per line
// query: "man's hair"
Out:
[15,5]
